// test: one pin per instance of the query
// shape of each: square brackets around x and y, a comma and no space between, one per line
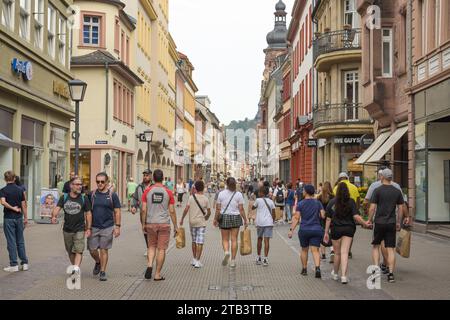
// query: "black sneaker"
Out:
[323,257]
[96,270]
[384,269]
[304,272]
[148,273]
[318,273]
[103,276]
[391,278]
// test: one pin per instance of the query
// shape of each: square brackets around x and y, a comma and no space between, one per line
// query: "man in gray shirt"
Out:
[157,211]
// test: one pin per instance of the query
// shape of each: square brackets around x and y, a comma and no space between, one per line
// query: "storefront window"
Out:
[129,158]
[84,167]
[421,186]
[27,137]
[349,154]
[58,156]
[6,123]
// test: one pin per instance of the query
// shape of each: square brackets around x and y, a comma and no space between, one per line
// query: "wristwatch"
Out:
[118,225]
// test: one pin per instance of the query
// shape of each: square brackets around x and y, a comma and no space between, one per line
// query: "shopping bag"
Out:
[278,214]
[246,242]
[404,243]
[181,238]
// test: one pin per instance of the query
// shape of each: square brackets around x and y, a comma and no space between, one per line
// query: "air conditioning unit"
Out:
[302,120]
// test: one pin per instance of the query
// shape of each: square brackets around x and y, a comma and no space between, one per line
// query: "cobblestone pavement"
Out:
[423,276]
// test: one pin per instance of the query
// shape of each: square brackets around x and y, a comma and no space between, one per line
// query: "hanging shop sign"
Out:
[312,143]
[24,68]
[367,140]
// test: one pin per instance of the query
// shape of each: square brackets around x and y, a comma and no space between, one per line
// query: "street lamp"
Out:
[77,90]
[148,138]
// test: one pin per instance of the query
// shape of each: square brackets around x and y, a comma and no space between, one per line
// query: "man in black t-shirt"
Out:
[15,220]
[77,223]
[385,201]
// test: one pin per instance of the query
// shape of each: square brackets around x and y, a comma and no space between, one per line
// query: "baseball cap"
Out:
[309,189]
[147,171]
[343,175]
[387,173]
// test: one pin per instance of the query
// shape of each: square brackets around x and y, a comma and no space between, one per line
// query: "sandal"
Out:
[160,279]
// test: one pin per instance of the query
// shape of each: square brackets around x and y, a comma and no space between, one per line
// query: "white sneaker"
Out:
[265,262]
[258,260]
[11,269]
[198,264]
[146,253]
[226,258]
[193,262]
[233,264]
[344,280]
[334,275]
[25,267]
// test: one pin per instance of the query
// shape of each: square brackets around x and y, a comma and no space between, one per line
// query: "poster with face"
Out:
[49,199]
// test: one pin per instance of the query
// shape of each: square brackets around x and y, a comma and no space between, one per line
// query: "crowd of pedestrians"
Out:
[327,217]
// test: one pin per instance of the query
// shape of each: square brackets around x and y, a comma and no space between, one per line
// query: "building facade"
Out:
[104,57]
[300,35]
[35,105]
[339,120]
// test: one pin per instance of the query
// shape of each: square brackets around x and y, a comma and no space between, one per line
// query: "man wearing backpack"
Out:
[77,223]
[105,224]
[136,201]
[279,199]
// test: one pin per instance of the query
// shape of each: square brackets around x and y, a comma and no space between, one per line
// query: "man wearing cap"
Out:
[385,200]
[354,193]
[136,201]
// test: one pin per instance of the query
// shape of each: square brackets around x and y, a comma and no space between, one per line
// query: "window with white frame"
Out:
[62,32]
[39,16]
[25,12]
[51,30]
[387,52]
[350,13]
[8,13]
[91,30]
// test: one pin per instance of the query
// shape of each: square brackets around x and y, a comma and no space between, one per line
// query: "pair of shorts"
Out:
[310,238]
[337,232]
[158,235]
[264,232]
[229,221]
[74,242]
[386,233]
[101,239]
[198,235]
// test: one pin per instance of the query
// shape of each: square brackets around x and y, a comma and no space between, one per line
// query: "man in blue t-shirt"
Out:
[15,220]
[106,216]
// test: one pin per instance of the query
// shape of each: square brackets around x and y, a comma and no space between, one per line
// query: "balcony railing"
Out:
[349,39]
[343,113]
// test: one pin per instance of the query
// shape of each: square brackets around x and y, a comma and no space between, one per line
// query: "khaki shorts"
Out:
[158,235]
[74,242]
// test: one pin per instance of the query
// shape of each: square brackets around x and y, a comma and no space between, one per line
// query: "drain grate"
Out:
[236,288]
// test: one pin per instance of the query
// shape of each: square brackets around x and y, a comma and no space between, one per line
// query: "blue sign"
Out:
[23,67]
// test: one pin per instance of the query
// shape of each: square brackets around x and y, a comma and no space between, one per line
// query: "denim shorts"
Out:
[198,235]
[264,232]
[310,238]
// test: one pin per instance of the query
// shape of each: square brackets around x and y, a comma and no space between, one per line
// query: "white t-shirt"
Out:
[180,188]
[263,215]
[225,196]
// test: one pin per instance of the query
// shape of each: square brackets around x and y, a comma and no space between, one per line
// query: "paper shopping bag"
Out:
[181,238]
[404,243]
[278,214]
[246,242]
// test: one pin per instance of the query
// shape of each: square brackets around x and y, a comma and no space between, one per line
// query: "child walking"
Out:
[199,211]
[265,216]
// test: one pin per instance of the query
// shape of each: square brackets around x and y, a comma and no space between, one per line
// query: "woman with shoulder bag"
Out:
[229,216]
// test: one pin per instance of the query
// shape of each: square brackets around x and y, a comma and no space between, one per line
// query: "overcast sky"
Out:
[224,40]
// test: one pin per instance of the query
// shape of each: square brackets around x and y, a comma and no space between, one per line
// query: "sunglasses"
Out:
[101,182]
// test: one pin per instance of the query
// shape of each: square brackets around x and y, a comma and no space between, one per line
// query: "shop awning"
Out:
[373,148]
[393,139]
[7,142]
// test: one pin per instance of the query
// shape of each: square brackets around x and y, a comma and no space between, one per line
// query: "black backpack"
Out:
[280,196]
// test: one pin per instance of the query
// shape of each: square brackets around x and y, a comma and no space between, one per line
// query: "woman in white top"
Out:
[229,216]
[180,191]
